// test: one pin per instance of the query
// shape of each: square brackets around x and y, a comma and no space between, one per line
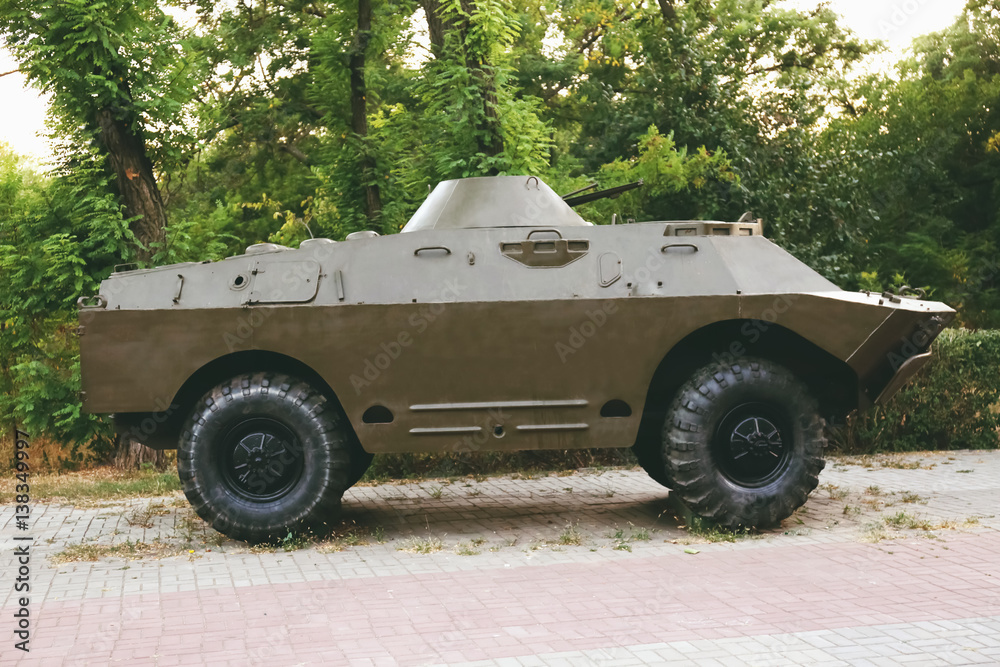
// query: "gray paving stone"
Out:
[521,521]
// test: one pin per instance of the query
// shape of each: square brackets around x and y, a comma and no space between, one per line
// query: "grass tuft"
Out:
[128,550]
[421,545]
[571,536]
[91,487]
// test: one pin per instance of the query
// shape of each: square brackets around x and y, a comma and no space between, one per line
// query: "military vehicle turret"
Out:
[498,319]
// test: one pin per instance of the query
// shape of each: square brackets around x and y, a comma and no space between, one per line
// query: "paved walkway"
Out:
[893,561]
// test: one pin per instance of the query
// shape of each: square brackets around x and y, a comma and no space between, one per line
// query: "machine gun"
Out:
[610,193]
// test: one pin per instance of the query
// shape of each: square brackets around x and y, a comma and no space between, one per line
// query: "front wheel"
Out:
[263,455]
[743,443]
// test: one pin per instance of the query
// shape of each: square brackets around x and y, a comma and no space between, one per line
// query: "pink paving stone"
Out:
[470,615]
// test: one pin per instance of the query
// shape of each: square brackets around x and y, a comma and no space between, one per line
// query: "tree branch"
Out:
[293,150]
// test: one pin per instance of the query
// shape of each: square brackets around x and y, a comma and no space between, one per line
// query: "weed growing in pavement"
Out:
[835,492]
[466,549]
[710,532]
[571,535]
[189,527]
[906,521]
[891,525]
[899,461]
[874,503]
[295,541]
[874,532]
[142,515]
[436,492]
[622,542]
[640,534]
[351,536]
[128,550]
[421,546]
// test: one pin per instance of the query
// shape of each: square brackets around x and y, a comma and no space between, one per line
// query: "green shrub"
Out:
[953,403]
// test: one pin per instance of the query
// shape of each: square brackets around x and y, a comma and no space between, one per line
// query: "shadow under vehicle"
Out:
[498,319]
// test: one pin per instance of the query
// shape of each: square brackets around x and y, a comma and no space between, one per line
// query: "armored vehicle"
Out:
[498,319]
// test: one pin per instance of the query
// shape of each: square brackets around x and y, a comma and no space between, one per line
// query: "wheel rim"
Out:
[753,445]
[262,460]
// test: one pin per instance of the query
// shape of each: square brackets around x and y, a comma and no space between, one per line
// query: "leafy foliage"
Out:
[247,112]
[954,403]
[57,240]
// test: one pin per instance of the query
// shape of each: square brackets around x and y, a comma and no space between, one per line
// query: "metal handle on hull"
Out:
[537,231]
[680,245]
[180,288]
[432,247]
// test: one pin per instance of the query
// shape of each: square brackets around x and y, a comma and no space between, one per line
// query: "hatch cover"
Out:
[284,282]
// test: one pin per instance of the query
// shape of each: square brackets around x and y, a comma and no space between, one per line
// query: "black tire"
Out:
[264,454]
[743,443]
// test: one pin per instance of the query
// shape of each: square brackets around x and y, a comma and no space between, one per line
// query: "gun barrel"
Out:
[610,193]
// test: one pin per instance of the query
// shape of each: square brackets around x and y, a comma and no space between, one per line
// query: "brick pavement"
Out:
[847,580]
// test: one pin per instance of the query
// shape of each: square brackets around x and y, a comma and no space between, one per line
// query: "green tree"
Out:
[58,238]
[925,183]
[118,82]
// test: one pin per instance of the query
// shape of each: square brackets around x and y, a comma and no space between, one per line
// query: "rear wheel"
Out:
[743,443]
[263,455]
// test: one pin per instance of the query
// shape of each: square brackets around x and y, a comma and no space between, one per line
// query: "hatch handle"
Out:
[87,302]
[692,246]
[536,231]
[180,288]
[432,247]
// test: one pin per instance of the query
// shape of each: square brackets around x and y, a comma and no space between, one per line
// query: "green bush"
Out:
[953,403]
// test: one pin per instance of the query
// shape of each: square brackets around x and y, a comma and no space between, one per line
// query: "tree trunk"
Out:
[140,193]
[668,11]
[435,26]
[359,114]
[489,137]
[137,186]
[130,454]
